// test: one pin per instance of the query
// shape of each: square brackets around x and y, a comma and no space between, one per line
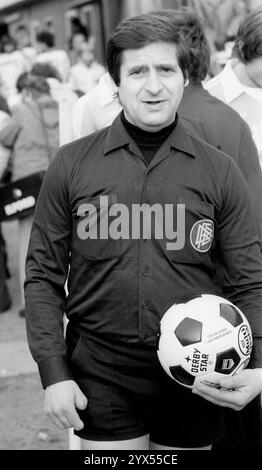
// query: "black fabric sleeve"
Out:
[46,273]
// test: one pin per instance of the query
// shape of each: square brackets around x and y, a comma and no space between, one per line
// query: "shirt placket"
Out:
[145,271]
[146,251]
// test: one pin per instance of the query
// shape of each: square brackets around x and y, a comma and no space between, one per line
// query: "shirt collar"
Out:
[233,88]
[118,137]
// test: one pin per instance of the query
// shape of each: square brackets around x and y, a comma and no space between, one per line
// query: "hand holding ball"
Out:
[204,337]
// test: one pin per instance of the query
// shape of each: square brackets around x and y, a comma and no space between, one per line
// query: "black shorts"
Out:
[130,395]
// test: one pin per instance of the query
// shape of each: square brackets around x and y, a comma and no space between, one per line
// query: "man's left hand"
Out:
[235,391]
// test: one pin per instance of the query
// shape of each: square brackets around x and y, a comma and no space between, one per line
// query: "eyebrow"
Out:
[144,66]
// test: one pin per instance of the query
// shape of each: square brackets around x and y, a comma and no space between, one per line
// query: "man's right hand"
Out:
[61,401]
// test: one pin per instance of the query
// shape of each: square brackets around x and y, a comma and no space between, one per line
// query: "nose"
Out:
[153,83]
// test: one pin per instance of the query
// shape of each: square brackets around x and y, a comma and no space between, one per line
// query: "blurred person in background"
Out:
[45,45]
[87,72]
[239,84]
[4,105]
[12,64]
[97,109]
[5,299]
[80,34]
[5,117]
[60,91]
[7,44]
[23,40]
[18,98]
[76,41]
[33,134]
[221,19]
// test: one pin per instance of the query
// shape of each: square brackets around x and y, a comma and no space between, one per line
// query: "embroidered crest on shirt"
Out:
[202,234]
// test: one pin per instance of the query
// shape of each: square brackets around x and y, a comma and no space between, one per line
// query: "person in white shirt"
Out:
[239,84]
[12,64]
[24,45]
[59,58]
[97,109]
[77,39]
[86,73]
[4,151]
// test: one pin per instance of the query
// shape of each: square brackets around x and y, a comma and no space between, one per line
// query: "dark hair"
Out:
[21,81]
[139,31]
[248,43]
[36,84]
[187,22]
[78,27]
[46,37]
[44,69]
[7,40]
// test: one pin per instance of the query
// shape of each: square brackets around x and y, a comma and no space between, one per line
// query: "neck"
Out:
[148,142]
[243,76]
[146,133]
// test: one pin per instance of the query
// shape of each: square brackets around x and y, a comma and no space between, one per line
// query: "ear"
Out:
[240,46]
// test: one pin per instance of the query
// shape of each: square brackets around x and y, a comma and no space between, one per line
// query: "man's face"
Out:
[151,85]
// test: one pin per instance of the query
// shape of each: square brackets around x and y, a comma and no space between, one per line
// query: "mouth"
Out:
[153,102]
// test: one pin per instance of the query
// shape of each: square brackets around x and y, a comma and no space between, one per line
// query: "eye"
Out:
[137,72]
[166,69]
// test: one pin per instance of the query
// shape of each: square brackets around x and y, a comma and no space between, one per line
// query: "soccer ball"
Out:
[207,336]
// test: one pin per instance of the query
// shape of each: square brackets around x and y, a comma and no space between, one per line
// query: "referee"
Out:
[104,379]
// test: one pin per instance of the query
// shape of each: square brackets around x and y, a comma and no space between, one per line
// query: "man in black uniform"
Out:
[125,274]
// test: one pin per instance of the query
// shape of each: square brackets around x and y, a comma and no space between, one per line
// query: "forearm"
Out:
[46,273]
[45,331]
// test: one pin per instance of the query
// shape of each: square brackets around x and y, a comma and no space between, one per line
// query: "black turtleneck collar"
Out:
[148,142]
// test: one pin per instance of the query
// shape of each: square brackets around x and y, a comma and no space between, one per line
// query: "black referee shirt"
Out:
[120,288]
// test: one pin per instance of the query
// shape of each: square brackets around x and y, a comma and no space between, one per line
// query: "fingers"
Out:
[229,382]
[61,400]
[65,418]
[80,400]
[60,421]
[74,419]
[234,399]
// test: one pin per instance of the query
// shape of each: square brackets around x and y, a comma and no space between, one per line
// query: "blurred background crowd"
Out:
[71,35]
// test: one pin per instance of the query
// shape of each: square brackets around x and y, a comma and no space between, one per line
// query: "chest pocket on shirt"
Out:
[92,237]
[198,230]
